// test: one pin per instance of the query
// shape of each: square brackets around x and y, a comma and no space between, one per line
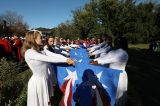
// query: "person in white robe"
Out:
[117,59]
[38,86]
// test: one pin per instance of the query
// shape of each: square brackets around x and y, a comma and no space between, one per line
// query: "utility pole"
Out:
[4,27]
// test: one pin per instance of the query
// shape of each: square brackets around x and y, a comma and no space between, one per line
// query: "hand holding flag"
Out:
[71,61]
[93,62]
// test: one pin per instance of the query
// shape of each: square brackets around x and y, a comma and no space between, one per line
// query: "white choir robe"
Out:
[63,52]
[105,49]
[51,69]
[65,47]
[98,46]
[74,46]
[117,59]
[38,86]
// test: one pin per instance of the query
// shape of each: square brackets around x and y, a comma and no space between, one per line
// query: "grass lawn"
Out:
[138,46]
[143,70]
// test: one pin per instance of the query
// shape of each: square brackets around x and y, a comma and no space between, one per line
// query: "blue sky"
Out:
[42,13]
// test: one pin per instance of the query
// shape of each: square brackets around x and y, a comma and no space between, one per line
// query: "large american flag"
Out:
[85,84]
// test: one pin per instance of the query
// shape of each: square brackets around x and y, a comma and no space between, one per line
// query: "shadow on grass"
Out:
[143,71]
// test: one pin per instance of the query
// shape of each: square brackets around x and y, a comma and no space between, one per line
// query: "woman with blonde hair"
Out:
[38,86]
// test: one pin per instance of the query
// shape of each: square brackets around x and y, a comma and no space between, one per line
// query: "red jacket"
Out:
[17,43]
[6,47]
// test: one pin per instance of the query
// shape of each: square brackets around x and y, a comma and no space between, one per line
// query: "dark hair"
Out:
[48,38]
[109,40]
[100,40]
[121,42]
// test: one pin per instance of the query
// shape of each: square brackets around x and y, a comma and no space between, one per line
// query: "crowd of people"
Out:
[42,54]
[10,47]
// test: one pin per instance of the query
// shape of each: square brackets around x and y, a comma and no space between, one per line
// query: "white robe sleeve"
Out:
[94,48]
[68,47]
[101,50]
[45,47]
[107,59]
[45,51]
[58,56]
[114,56]
[49,57]
[64,47]
[98,47]
[64,52]
[56,48]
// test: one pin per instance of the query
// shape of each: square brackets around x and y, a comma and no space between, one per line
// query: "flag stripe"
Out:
[67,91]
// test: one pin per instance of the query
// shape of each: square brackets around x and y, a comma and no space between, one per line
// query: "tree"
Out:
[137,21]
[14,22]
[85,19]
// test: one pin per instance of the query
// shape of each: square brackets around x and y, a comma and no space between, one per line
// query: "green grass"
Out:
[143,71]
[139,46]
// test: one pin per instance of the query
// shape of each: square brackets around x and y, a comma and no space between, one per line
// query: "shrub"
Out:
[13,79]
